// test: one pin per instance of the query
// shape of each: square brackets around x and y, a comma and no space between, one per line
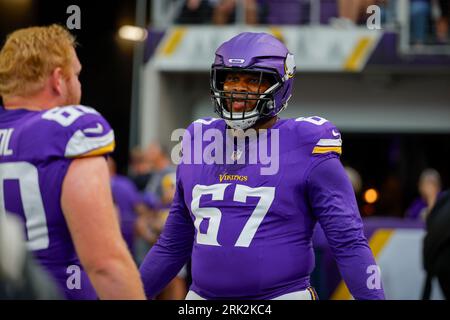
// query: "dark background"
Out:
[107,61]
[392,164]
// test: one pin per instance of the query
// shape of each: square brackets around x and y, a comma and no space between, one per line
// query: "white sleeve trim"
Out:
[329,143]
[80,144]
[206,122]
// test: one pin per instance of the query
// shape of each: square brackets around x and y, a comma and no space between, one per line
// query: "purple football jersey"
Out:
[36,150]
[250,234]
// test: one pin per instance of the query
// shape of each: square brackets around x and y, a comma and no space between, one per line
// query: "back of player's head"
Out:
[30,55]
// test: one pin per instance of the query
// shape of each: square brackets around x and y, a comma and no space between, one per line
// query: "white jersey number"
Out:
[33,207]
[65,116]
[266,196]
[318,121]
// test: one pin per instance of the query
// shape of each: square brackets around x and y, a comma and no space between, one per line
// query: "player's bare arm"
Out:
[88,208]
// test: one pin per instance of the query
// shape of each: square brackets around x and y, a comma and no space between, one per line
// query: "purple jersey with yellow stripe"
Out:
[250,234]
[36,150]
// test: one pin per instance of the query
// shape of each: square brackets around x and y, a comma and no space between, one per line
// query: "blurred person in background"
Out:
[429,187]
[436,246]
[280,12]
[351,12]
[140,168]
[420,17]
[20,276]
[442,23]
[196,12]
[53,168]
[357,184]
[162,185]
[355,179]
[224,11]
[177,288]
[161,166]
[130,206]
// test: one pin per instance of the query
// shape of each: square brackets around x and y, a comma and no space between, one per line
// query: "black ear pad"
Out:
[269,105]
[266,108]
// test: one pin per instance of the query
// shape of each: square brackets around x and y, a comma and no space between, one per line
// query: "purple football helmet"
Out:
[259,53]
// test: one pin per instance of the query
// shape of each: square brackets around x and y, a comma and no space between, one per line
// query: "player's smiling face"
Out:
[244,82]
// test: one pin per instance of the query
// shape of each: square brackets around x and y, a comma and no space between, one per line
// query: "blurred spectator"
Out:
[355,179]
[224,11]
[430,190]
[281,11]
[177,288]
[161,165]
[442,23]
[357,184]
[389,12]
[162,185]
[436,247]
[20,276]
[351,12]
[420,14]
[129,204]
[140,168]
[196,12]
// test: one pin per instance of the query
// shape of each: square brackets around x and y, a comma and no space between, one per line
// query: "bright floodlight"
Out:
[371,196]
[132,33]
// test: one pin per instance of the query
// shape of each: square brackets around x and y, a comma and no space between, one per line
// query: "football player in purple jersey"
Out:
[249,234]
[53,171]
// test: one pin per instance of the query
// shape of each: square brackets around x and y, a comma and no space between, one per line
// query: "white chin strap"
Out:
[241,124]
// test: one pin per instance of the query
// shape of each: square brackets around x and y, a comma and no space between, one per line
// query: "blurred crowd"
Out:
[429,21]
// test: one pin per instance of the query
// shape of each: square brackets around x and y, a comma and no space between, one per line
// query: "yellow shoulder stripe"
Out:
[320,150]
[100,151]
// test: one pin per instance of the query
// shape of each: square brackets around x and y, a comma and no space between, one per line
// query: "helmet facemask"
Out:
[263,101]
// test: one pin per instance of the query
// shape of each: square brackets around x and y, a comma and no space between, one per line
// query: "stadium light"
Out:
[371,196]
[133,33]
[16,2]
